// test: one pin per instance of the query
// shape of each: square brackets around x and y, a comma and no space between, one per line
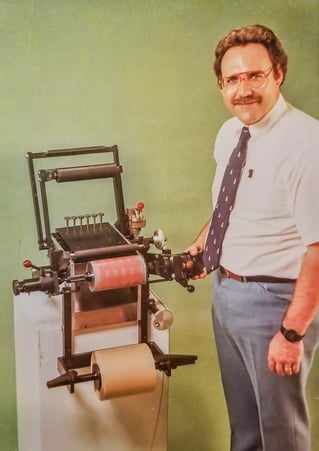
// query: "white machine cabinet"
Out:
[56,420]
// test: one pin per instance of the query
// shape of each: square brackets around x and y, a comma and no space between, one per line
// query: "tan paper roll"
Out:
[117,272]
[125,370]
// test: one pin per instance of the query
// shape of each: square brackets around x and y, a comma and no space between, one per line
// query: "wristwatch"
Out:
[290,334]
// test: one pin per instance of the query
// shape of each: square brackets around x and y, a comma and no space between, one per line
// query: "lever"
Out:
[28,264]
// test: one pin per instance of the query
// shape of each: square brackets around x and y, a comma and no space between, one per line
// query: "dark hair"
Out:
[258,34]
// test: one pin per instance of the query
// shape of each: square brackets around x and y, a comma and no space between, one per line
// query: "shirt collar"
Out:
[266,123]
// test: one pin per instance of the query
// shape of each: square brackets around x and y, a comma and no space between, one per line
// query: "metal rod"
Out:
[73,151]
[45,209]
[35,200]
[103,251]
[67,326]
[119,201]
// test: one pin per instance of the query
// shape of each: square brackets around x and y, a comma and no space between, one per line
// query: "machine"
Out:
[102,272]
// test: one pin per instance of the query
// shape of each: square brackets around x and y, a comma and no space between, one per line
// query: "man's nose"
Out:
[243,87]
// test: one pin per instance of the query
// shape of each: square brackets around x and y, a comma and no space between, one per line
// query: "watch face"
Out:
[291,335]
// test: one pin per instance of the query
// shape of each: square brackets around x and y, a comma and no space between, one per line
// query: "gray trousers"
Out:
[267,412]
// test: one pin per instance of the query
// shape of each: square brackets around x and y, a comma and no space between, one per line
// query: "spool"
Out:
[118,272]
[125,370]
[91,172]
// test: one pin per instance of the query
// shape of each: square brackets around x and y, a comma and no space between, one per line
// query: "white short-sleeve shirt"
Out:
[276,211]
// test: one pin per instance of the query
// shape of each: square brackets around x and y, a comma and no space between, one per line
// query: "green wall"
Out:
[136,73]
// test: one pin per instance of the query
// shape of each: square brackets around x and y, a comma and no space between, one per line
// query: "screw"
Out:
[67,219]
[101,220]
[94,215]
[81,217]
[87,215]
[74,218]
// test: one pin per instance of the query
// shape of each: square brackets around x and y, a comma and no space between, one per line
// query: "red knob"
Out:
[189,264]
[27,263]
[140,205]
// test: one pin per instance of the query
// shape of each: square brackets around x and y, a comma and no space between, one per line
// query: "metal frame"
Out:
[165,264]
[46,175]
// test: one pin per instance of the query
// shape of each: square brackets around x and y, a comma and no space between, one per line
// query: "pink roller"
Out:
[117,272]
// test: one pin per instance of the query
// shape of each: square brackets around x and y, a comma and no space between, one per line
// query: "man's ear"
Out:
[278,75]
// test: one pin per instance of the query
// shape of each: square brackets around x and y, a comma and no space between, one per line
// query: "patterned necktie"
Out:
[225,203]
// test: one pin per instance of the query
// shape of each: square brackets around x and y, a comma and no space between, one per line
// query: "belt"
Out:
[267,279]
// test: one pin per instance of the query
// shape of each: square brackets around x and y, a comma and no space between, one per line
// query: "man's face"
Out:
[248,103]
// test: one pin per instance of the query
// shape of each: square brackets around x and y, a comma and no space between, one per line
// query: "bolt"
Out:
[94,215]
[81,217]
[74,218]
[101,220]
[87,215]
[67,220]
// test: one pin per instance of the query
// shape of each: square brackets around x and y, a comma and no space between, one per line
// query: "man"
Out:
[266,279]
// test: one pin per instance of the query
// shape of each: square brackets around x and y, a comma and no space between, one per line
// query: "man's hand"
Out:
[302,310]
[195,249]
[284,357]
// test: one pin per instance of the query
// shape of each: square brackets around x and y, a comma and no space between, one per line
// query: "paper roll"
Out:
[125,370]
[118,272]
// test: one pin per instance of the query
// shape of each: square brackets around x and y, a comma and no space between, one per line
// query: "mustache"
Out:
[247,99]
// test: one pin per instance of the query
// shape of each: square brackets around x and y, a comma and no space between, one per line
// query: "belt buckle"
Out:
[227,273]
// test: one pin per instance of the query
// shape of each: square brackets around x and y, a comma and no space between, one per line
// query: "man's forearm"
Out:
[305,303]
[199,242]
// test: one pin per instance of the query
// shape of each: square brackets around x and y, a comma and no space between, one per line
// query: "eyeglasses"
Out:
[254,79]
